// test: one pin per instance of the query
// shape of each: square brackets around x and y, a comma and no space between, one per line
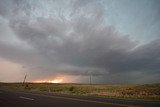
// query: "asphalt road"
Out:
[10,98]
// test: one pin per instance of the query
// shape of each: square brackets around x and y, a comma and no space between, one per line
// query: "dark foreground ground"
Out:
[12,98]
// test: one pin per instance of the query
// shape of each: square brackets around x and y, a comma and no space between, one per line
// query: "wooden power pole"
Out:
[24,78]
[90,80]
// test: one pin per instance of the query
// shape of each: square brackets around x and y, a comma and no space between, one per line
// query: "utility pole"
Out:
[24,78]
[90,79]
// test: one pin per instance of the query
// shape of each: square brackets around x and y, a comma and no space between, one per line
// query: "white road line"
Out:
[26,98]
[81,100]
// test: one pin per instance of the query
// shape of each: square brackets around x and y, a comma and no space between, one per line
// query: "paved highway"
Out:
[10,98]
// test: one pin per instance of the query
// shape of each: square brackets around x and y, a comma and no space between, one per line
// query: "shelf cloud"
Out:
[48,38]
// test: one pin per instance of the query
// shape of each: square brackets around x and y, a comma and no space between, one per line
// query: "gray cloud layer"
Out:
[74,41]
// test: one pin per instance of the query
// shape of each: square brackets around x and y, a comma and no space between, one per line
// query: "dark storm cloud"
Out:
[80,45]
[145,57]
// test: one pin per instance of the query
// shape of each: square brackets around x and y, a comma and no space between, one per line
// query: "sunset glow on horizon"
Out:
[59,79]
[49,81]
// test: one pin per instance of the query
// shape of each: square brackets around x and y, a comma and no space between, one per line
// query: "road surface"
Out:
[10,98]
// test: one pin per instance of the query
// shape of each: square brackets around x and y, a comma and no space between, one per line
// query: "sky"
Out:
[113,41]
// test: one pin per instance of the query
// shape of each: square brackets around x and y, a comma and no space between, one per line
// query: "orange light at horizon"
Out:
[49,81]
[58,79]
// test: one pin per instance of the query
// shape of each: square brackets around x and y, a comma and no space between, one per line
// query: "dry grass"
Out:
[148,91]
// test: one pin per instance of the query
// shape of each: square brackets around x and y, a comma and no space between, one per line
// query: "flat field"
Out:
[145,91]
